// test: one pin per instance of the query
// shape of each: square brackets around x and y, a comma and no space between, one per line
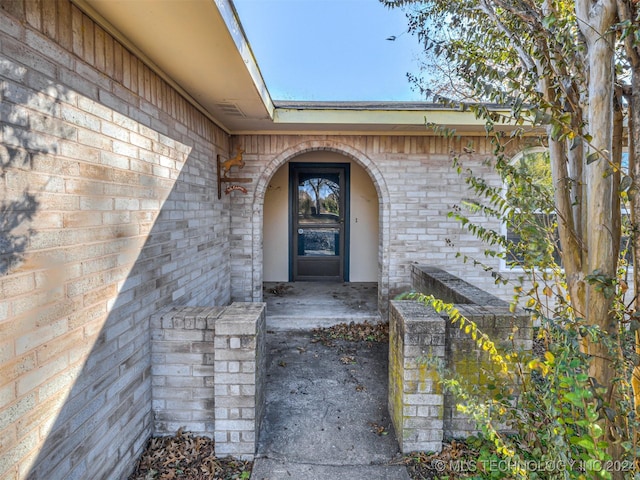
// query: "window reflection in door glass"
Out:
[318,198]
[319,242]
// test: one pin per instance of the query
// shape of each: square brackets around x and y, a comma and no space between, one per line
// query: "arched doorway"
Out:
[368,235]
[321,208]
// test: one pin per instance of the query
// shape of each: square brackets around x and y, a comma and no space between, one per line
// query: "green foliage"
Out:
[469,327]
[527,63]
[523,203]
[538,415]
[330,204]
[541,413]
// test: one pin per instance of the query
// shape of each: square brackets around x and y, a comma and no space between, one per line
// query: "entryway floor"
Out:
[306,305]
[326,413]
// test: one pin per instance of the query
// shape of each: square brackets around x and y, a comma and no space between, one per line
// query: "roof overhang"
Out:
[389,118]
[200,48]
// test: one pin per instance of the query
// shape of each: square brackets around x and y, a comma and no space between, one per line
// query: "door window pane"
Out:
[319,242]
[318,198]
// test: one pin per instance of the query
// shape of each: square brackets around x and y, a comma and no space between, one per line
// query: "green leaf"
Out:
[549,21]
[592,157]
[556,131]
[584,442]
[625,183]
[575,398]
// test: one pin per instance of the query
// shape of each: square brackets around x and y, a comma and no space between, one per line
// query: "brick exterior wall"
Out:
[109,213]
[182,369]
[417,187]
[208,374]
[239,380]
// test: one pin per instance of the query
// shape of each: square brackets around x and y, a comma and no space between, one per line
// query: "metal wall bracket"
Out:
[223,174]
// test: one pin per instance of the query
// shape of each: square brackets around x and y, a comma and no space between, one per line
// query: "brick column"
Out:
[416,402]
[240,365]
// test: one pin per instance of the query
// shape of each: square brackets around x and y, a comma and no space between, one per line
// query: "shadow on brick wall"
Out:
[17,214]
[15,220]
[99,232]
[106,416]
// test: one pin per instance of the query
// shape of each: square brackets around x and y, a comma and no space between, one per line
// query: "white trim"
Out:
[231,19]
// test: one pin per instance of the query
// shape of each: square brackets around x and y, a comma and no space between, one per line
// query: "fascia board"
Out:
[446,117]
[234,26]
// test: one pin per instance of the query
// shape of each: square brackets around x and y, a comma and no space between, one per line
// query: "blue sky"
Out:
[324,50]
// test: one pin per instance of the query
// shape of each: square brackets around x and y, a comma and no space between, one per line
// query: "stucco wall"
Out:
[363,258]
[109,213]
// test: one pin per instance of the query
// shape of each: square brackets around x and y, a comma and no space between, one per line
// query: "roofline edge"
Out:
[111,30]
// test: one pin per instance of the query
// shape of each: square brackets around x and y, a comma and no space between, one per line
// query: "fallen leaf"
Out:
[186,456]
[378,429]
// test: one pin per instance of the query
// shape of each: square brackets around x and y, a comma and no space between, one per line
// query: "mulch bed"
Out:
[187,456]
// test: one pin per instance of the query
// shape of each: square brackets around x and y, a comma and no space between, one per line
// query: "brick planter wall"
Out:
[239,382]
[208,374]
[416,402]
[182,369]
[422,415]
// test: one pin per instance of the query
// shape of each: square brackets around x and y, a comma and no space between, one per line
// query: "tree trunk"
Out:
[627,11]
[634,195]
[568,226]
[595,19]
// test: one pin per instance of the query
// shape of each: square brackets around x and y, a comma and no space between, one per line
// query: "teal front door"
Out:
[318,245]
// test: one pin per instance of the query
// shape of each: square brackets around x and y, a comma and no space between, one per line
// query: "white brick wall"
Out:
[109,215]
[182,369]
[417,188]
[208,371]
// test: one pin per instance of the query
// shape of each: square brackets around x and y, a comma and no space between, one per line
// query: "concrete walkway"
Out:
[305,305]
[326,412]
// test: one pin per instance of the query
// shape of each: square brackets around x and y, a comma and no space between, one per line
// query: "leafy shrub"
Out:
[540,414]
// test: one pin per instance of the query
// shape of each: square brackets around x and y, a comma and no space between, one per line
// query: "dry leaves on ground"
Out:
[189,457]
[352,332]
[348,359]
[280,290]
[378,429]
[455,461]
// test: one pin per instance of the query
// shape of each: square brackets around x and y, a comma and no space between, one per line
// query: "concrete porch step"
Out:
[306,305]
[304,322]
